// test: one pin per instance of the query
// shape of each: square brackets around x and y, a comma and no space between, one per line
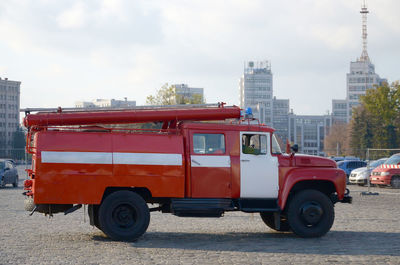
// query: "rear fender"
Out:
[327,180]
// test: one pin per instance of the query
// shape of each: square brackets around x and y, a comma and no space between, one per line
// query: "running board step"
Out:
[201,207]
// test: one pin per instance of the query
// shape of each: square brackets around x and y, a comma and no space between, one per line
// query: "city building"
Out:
[361,77]
[105,103]
[339,111]
[184,93]
[309,132]
[9,114]
[256,90]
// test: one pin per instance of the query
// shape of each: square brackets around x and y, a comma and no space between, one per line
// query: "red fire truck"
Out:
[204,161]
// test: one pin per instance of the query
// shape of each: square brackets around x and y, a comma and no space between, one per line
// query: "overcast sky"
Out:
[69,50]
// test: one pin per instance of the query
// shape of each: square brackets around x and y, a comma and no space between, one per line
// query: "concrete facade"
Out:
[256,90]
[309,132]
[9,113]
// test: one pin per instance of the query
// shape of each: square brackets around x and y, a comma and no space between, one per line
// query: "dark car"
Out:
[349,165]
[8,173]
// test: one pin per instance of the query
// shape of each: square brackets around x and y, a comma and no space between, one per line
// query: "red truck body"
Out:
[189,168]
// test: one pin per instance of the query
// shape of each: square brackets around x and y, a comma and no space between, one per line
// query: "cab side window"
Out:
[254,144]
[207,143]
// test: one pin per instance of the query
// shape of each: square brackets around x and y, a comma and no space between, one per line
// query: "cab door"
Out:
[258,168]
[210,165]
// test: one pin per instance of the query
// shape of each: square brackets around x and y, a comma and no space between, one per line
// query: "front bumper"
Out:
[380,180]
[357,181]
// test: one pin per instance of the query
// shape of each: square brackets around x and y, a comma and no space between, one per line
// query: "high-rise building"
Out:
[9,113]
[105,103]
[256,92]
[361,77]
[188,94]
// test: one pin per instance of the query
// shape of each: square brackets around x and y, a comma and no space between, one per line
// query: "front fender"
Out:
[295,175]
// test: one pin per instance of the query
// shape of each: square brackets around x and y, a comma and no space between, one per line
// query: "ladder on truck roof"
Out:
[167,114]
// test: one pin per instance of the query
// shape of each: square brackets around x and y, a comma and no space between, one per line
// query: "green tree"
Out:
[166,95]
[376,122]
[361,129]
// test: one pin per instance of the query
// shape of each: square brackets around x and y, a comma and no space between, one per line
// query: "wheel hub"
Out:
[311,212]
[124,216]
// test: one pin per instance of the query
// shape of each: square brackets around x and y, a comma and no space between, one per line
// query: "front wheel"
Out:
[395,182]
[310,213]
[124,216]
[269,219]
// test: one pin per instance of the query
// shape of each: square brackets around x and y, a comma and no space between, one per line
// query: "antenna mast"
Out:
[364,11]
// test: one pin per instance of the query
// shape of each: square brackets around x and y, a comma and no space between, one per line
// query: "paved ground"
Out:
[366,232]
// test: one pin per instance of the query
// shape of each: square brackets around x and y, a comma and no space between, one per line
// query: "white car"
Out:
[360,175]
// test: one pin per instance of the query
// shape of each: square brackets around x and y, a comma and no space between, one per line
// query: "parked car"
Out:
[8,173]
[350,165]
[388,174]
[360,175]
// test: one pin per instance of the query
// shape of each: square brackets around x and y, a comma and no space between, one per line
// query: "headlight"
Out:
[385,173]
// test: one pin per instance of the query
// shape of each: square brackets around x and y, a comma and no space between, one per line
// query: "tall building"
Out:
[361,77]
[256,92]
[9,113]
[189,94]
[105,103]
[280,117]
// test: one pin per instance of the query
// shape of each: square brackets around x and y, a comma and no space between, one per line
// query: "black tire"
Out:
[15,184]
[2,183]
[310,213]
[94,209]
[269,220]
[395,182]
[124,216]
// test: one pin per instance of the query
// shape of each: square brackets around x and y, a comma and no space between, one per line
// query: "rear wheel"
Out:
[269,220]
[395,182]
[310,213]
[124,215]
[2,183]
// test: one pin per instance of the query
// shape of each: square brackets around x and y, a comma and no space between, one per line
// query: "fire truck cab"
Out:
[187,168]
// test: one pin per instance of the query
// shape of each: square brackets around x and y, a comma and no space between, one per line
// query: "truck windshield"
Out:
[276,149]
[393,160]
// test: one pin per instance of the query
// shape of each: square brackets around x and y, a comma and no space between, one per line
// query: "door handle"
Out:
[197,163]
[245,160]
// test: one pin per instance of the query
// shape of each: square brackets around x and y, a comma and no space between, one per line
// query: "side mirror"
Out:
[294,148]
[7,168]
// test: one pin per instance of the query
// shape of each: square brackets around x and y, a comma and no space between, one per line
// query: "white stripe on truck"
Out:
[106,158]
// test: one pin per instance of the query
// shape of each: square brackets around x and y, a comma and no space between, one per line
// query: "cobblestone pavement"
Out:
[365,232]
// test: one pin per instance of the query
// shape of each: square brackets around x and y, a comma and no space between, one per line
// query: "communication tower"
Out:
[364,11]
